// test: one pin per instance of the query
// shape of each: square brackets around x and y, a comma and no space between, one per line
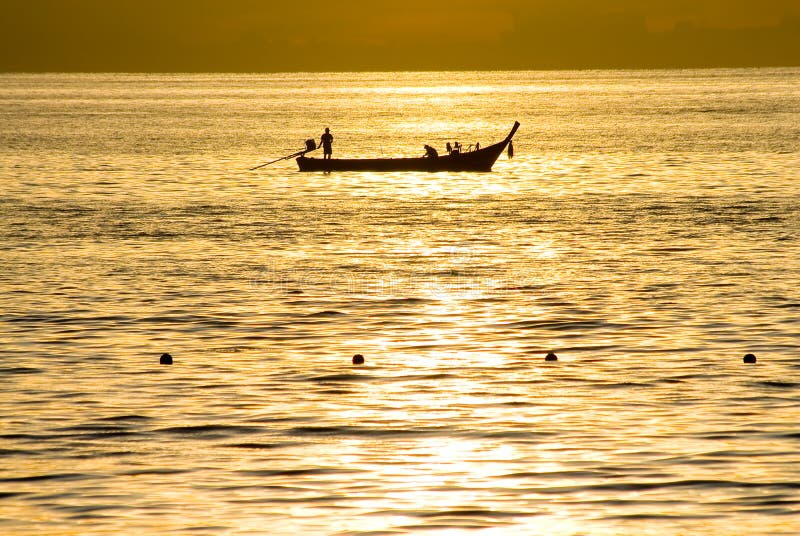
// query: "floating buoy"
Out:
[358,359]
[749,358]
[166,359]
[551,357]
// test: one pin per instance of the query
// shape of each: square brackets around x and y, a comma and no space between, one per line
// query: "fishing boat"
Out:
[475,160]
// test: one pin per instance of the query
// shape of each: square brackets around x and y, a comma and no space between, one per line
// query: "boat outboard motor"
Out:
[510,149]
[311,145]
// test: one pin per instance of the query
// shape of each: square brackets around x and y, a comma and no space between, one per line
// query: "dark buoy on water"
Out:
[358,359]
[551,357]
[166,359]
[749,358]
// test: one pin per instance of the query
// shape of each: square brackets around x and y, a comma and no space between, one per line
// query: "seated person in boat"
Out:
[327,144]
[449,148]
[430,152]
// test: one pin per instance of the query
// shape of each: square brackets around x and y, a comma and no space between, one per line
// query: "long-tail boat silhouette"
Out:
[475,160]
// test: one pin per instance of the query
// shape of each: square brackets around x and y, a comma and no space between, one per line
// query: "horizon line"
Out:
[361,71]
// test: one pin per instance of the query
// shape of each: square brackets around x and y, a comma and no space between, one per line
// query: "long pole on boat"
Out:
[278,160]
[287,157]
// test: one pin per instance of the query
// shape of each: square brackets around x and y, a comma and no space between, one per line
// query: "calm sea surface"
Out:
[647,231]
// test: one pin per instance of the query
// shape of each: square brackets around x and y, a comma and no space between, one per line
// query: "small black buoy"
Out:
[551,357]
[358,359]
[166,359]
[749,358]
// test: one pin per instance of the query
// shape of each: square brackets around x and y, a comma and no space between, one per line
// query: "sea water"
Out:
[646,231]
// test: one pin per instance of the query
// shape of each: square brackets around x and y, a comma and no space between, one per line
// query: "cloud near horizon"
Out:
[257,36]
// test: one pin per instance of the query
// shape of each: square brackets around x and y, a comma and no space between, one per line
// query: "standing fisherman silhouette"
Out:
[327,144]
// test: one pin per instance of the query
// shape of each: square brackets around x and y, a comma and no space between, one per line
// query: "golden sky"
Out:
[298,35]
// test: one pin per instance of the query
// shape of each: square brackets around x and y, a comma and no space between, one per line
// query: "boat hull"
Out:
[481,160]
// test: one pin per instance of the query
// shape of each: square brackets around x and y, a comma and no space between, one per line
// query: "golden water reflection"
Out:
[645,232]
